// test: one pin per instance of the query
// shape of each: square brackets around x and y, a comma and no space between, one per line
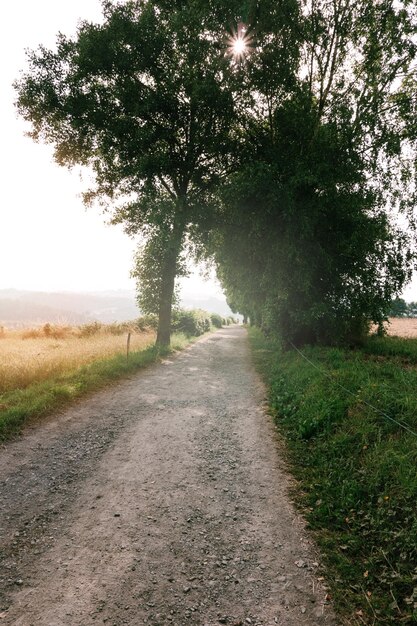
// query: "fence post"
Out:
[128,346]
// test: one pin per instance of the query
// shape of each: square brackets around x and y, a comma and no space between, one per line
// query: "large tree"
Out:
[309,244]
[144,100]
[312,127]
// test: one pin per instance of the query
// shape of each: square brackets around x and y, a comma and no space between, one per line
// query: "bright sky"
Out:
[48,241]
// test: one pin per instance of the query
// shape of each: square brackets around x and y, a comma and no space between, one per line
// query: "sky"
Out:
[48,240]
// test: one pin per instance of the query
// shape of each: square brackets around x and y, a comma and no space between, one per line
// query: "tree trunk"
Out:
[163,337]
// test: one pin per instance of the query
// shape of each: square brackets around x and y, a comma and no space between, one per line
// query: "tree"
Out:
[399,308]
[144,101]
[150,271]
[281,165]
[309,244]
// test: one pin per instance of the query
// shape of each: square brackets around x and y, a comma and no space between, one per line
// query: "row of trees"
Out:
[284,166]
[401,308]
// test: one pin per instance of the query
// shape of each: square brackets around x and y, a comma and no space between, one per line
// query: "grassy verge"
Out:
[356,469]
[41,398]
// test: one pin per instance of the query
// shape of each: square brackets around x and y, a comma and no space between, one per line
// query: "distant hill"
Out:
[24,308]
[33,308]
[212,305]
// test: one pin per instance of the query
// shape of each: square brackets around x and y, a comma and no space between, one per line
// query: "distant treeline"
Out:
[401,308]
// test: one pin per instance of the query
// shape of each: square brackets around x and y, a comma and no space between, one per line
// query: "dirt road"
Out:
[161,500]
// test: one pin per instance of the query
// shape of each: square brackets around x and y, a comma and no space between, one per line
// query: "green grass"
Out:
[19,406]
[357,470]
[397,347]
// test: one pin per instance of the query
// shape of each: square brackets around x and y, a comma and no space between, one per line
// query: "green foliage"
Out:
[286,167]
[397,349]
[145,101]
[320,260]
[217,321]
[192,323]
[305,244]
[147,322]
[356,468]
[400,308]
[150,270]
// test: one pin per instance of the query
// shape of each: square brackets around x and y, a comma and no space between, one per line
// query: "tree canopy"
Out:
[144,101]
[309,243]
[286,164]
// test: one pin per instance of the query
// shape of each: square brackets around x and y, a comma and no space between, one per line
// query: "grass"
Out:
[50,378]
[31,356]
[398,348]
[356,469]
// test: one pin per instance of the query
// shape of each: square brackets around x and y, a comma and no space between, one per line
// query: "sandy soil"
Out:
[162,500]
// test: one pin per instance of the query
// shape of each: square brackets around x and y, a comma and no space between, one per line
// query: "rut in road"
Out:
[162,500]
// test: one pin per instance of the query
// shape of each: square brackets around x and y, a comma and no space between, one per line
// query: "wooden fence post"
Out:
[128,346]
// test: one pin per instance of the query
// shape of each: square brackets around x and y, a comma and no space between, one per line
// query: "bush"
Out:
[216,320]
[117,328]
[192,323]
[57,332]
[147,322]
[88,330]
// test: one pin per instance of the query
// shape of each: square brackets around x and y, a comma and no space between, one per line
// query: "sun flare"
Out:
[239,43]
[239,46]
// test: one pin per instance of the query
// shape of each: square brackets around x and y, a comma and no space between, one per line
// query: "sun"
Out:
[239,43]
[239,46]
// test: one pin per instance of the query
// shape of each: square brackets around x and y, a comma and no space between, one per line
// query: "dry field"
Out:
[30,356]
[402,327]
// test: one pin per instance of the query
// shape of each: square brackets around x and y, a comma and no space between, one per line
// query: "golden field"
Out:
[35,355]
[402,327]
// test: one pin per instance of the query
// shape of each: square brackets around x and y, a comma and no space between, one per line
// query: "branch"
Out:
[167,188]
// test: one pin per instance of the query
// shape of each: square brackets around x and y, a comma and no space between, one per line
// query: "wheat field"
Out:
[34,355]
[402,327]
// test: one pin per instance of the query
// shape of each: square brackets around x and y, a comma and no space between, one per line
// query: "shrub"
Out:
[216,320]
[88,330]
[147,322]
[117,328]
[192,323]
[57,332]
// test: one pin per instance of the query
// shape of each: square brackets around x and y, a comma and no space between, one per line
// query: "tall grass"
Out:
[44,369]
[33,355]
[357,468]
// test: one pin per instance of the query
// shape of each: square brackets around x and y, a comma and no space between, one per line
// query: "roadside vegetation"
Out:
[42,369]
[37,354]
[356,467]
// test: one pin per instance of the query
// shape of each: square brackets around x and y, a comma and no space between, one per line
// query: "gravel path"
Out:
[162,500]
